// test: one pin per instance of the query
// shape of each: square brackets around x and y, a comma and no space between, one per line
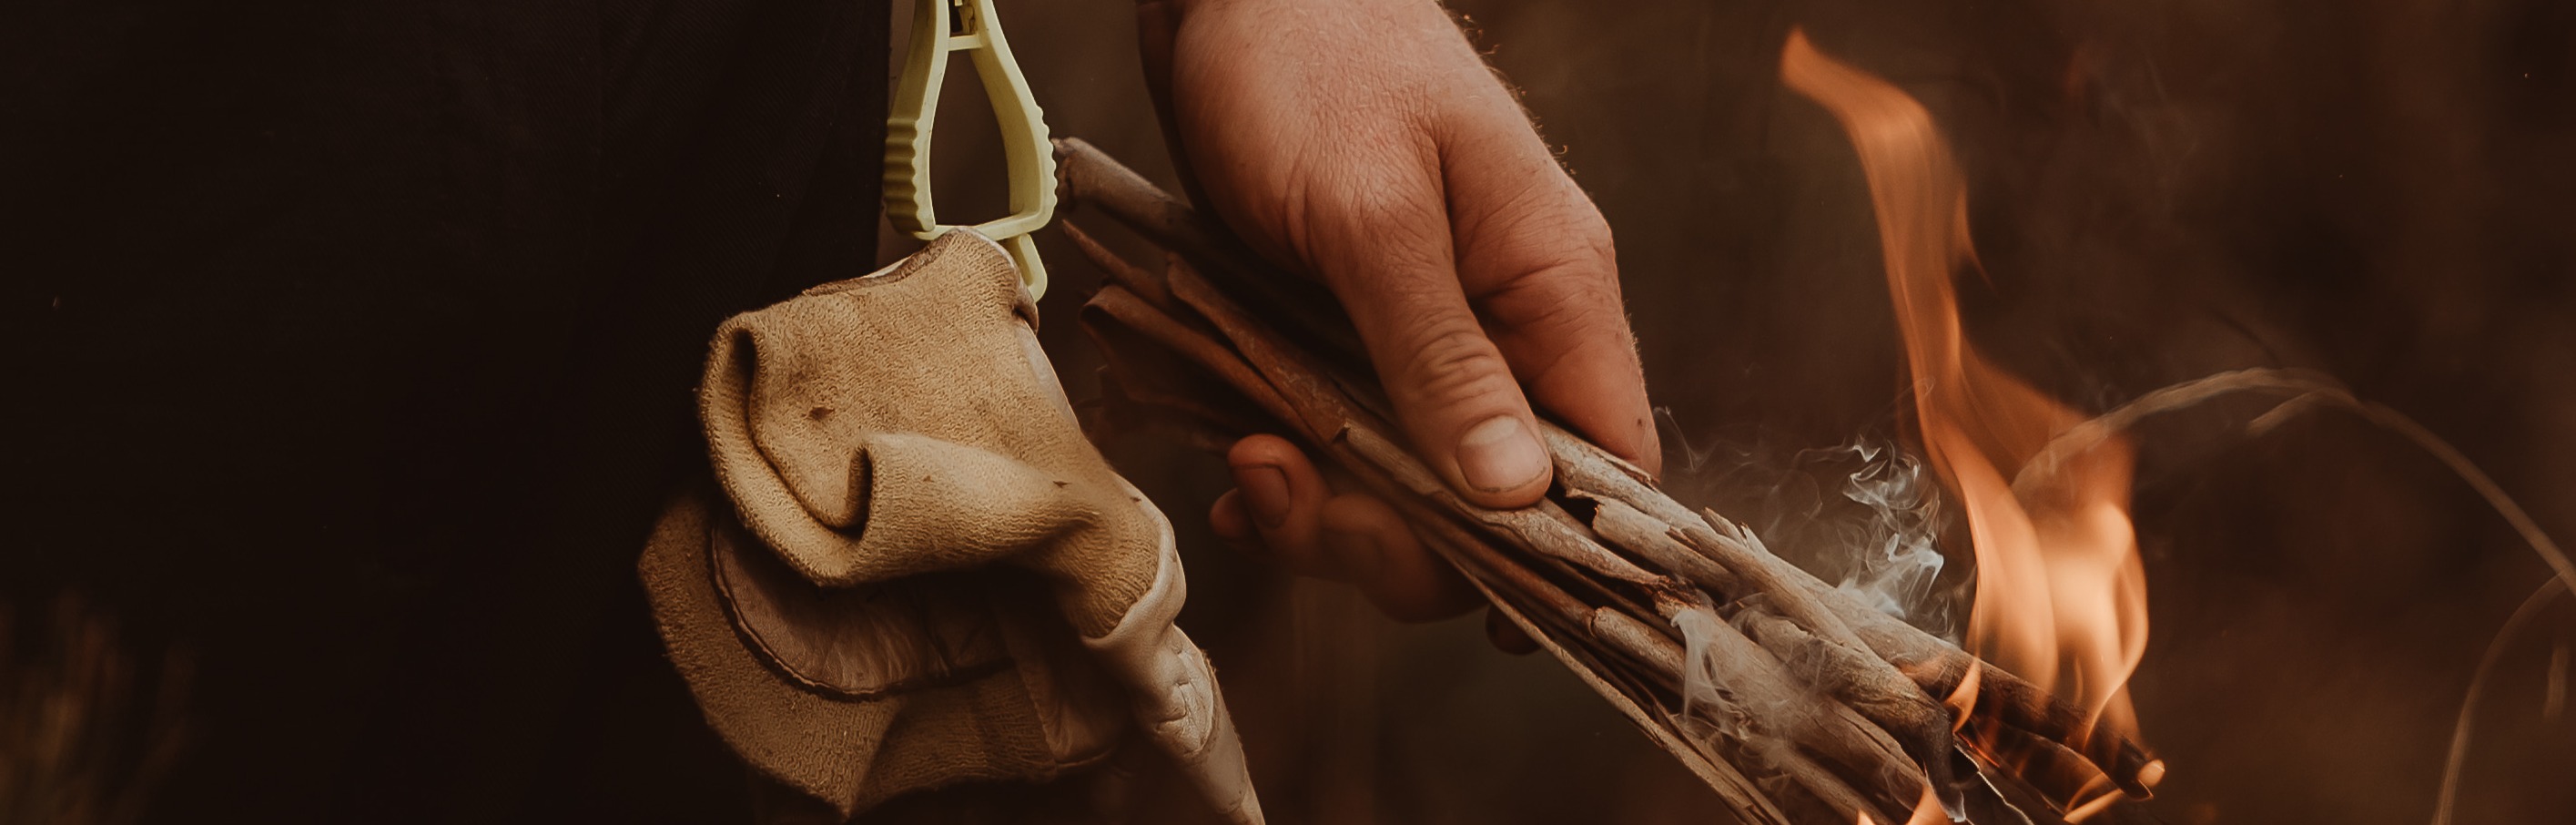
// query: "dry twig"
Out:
[1823,707]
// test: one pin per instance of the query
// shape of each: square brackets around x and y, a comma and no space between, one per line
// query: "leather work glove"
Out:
[901,431]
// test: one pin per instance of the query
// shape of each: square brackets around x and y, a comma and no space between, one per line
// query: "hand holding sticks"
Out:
[1793,701]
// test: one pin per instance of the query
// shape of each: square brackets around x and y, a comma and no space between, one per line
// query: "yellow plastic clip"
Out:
[939,28]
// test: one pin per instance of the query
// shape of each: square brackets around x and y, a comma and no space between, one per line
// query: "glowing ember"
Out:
[2060,596]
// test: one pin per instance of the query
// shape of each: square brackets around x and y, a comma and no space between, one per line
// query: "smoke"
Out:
[1710,714]
[1894,559]
[1722,724]
[1866,514]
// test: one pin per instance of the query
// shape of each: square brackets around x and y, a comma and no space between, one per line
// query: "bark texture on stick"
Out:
[1791,700]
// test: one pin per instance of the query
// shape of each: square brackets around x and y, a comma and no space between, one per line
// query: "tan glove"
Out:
[907,423]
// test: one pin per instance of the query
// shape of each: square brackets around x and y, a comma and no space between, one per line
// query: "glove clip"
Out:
[939,29]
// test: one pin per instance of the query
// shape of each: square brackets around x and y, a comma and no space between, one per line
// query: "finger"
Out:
[1536,260]
[1506,636]
[1382,244]
[1284,495]
[1231,523]
[1380,553]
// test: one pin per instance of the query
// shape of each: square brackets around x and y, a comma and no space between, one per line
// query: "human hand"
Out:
[1365,142]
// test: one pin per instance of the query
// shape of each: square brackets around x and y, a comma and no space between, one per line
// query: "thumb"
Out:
[1387,255]
[1536,260]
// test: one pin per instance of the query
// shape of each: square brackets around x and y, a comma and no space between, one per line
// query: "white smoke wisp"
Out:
[1866,514]
[1894,557]
[1708,714]
[1712,716]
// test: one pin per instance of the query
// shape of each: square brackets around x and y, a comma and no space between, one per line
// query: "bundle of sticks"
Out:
[1790,698]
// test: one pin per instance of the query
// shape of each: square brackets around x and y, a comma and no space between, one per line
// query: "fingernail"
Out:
[1500,455]
[1266,489]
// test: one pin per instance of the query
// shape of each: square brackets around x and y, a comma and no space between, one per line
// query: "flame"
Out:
[2061,593]
[1927,811]
[1963,699]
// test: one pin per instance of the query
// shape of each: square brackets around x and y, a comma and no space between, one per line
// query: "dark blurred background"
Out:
[2378,190]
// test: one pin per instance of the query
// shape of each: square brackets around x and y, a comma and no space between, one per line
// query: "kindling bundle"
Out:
[1792,699]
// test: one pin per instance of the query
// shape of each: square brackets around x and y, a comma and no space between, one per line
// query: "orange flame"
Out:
[2061,594]
[1927,811]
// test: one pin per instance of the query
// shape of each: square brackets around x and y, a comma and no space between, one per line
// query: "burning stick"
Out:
[1792,700]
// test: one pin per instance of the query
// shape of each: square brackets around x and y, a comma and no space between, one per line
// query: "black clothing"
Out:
[353,351]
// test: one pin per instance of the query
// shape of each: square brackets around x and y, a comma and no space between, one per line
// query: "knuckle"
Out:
[1566,296]
[1366,216]
[1453,363]
[1568,248]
